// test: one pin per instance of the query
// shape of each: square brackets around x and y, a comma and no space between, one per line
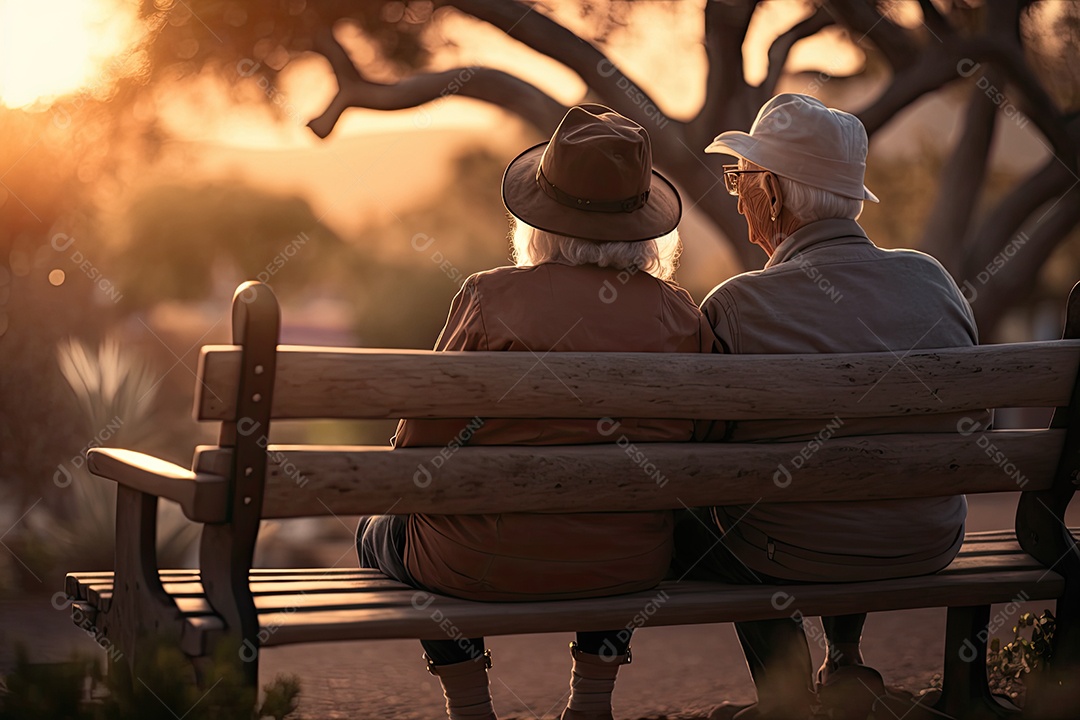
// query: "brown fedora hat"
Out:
[593,180]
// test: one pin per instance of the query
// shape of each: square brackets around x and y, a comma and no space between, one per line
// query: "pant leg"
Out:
[776,651]
[843,633]
[605,643]
[700,553]
[844,629]
[380,545]
[777,656]
[448,652]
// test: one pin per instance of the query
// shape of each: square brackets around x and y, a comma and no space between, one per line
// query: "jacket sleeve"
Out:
[720,313]
[464,330]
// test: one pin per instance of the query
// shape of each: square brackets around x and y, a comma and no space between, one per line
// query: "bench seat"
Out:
[318,604]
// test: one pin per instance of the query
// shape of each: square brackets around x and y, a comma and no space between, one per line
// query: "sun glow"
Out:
[50,48]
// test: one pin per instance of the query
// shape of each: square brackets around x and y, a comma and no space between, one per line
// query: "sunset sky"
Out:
[53,48]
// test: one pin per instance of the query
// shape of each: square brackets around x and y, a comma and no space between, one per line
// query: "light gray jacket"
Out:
[828,288]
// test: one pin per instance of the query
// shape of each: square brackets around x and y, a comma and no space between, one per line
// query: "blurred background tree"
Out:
[1003,55]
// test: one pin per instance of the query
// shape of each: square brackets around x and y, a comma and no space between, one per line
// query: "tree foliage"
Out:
[995,51]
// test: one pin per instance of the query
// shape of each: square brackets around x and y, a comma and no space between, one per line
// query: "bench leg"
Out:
[139,612]
[965,692]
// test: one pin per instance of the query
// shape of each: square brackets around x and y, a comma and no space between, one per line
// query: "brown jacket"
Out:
[827,288]
[562,308]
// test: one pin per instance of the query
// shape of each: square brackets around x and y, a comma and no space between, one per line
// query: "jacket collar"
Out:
[835,231]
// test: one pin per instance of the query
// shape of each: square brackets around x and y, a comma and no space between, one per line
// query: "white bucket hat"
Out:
[797,137]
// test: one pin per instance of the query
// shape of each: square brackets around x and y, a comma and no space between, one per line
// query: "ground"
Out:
[677,672]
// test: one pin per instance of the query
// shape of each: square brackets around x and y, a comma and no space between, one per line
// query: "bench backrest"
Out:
[291,382]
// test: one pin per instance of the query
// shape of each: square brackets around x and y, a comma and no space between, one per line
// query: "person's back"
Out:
[553,307]
[827,288]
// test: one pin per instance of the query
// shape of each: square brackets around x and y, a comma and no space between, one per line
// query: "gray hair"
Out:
[809,203]
[658,257]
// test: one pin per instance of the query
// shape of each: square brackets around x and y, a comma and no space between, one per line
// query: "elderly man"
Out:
[825,288]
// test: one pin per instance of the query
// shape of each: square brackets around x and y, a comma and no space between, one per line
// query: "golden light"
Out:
[57,277]
[50,48]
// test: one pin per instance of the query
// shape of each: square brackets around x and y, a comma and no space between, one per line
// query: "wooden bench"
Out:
[244,479]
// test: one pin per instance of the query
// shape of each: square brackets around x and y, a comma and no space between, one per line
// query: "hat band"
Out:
[562,197]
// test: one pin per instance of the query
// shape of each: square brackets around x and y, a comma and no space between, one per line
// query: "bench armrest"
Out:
[202,496]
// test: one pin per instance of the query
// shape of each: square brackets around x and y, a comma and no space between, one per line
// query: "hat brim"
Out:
[526,201]
[743,145]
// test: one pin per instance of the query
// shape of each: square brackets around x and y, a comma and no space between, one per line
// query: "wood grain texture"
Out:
[202,497]
[1001,544]
[681,603]
[317,604]
[408,613]
[346,383]
[137,606]
[319,480]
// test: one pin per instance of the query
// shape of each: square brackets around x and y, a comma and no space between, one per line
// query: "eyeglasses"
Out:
[731,178]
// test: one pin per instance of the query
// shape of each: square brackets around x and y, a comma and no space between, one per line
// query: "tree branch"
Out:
[897,44]
[522,22]
[499,88]
[999,226]
[1023,260]
[962,180]
[1035,100]
[781,47]
[1017,225]
[725,83]
[935,22]
[936,67]
[940,64]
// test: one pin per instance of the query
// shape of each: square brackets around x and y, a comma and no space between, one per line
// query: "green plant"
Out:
[163,683]
[1009,664]
[56,690]
[282,697]
[115,390]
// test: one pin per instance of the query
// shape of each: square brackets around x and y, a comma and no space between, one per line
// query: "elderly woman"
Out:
[595,247]
[825,288]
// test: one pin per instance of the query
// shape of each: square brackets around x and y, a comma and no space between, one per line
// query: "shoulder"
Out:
[506,276]
[678,293]
[724,294]
[923,267]
[912,256]
[492,284]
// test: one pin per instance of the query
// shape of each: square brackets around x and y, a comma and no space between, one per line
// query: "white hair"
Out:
[658,257]
[808,203]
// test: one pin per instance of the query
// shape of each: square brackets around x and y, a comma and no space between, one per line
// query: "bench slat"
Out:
[349,383]
[320,480]
[372,592]
[297,605]
[686,602]
[364,596]
[408,614]
[185,582]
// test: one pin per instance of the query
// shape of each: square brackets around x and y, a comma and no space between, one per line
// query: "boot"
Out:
[465,685]
[846,687]
[591,682]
